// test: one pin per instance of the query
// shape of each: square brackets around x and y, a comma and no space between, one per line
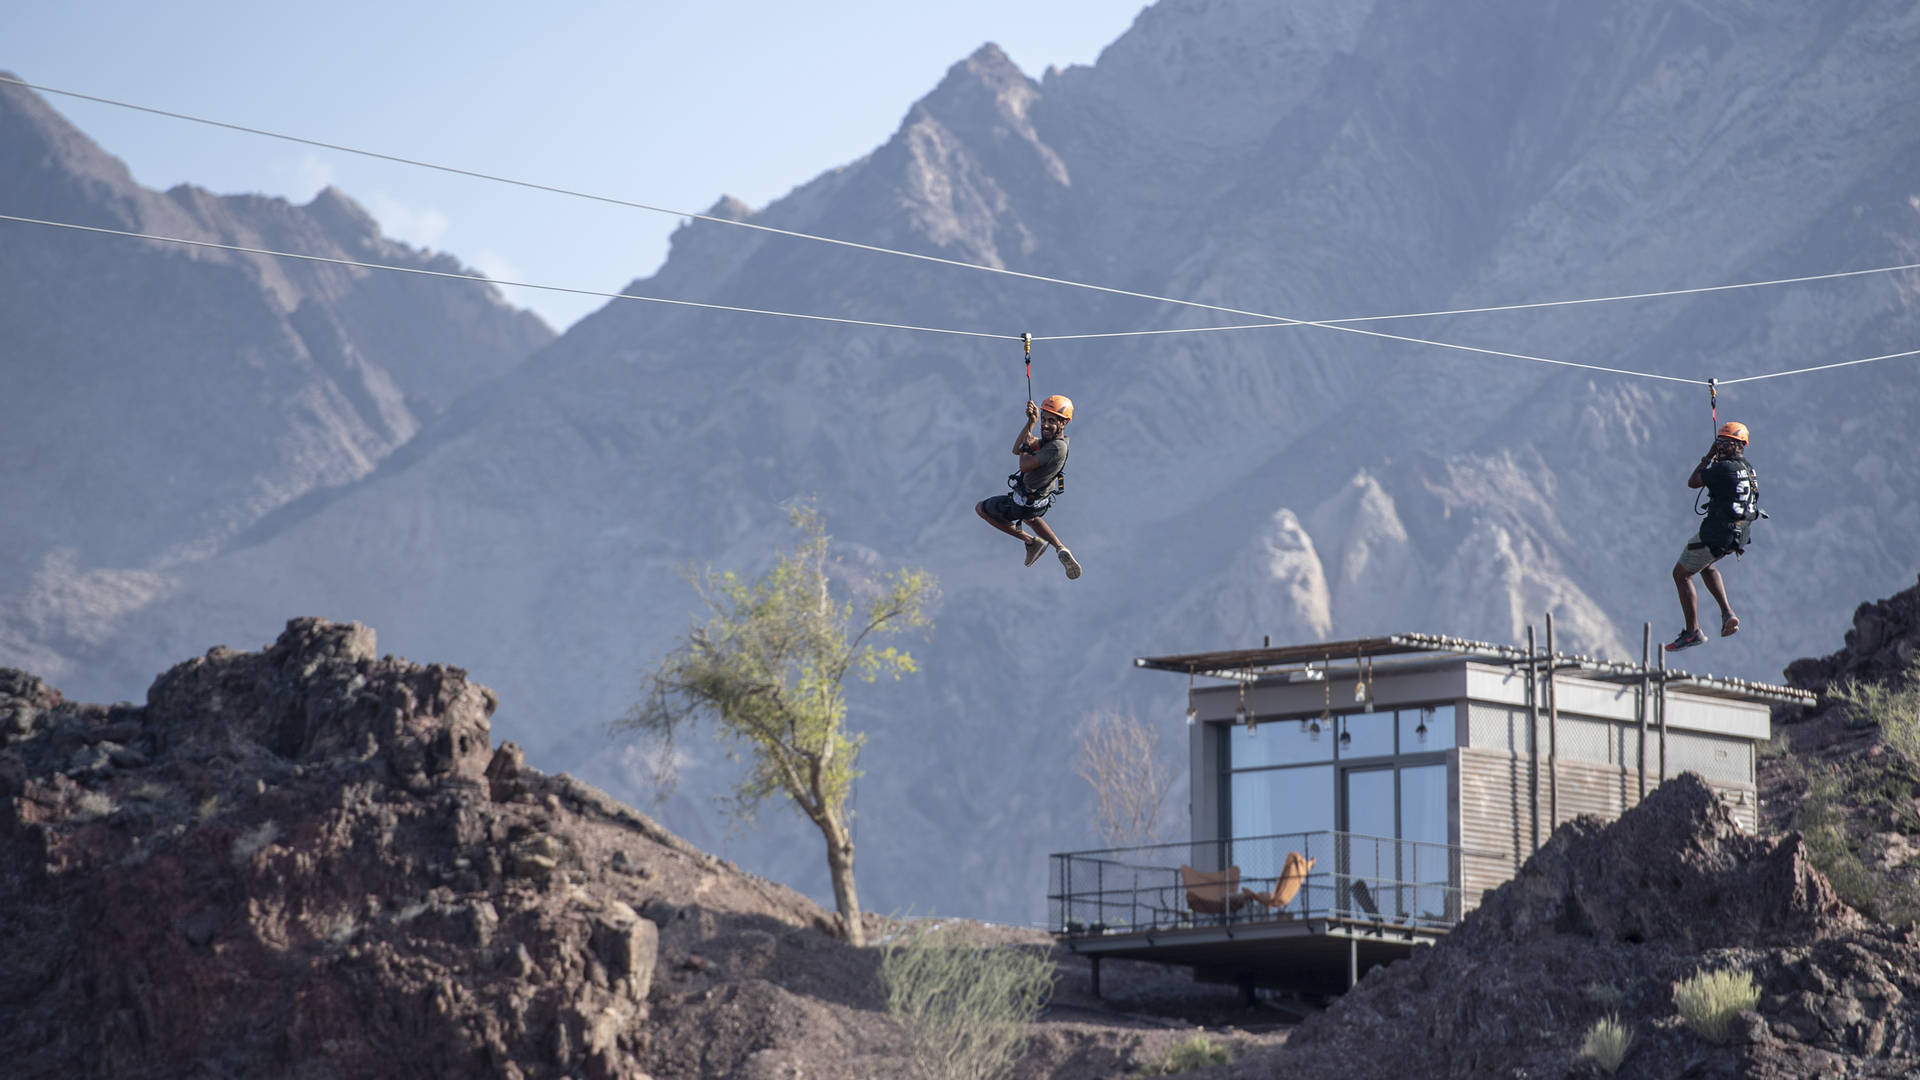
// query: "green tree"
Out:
[769,668]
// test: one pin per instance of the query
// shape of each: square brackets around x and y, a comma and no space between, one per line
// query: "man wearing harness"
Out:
[1034,486]
[1733,492]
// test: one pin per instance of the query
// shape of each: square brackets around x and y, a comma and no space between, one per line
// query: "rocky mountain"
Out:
[313,861]
[162,399]
[1606,920]
[1320,159]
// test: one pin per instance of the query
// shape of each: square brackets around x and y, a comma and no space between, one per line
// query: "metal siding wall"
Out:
[1720,761]
[1494,788]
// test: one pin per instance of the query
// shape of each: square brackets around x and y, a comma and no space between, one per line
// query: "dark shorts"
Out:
[1007,509]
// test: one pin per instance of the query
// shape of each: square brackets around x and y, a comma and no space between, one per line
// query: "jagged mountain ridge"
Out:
[163,398]
[1379,159]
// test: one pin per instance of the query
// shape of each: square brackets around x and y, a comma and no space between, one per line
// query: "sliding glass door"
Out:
[1391,814]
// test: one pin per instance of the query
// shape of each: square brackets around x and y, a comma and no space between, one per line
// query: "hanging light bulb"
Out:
[1253,727]
[1313,731]
[1303,725]
[1240,711]
[1193,711]
[1421,731]
[1346,733]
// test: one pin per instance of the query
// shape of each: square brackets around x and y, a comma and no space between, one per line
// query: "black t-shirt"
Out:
[1049,458]
[1733,492]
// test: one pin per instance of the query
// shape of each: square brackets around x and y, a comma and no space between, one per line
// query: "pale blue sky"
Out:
[672,104]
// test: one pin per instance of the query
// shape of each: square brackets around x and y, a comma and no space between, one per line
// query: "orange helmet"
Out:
[1061,406]
[1735,430]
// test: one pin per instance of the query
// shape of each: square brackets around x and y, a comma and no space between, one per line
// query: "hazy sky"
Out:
[672,104]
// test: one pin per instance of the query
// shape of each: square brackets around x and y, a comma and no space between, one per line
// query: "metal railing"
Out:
[1364,878]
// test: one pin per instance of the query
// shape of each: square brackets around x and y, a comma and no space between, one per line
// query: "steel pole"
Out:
[1533,735]
[1646,665]
[1553,738]
[1663,716]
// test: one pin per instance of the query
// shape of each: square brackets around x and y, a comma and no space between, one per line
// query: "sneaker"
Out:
[1036,547]
[1073,567]
[1687,640]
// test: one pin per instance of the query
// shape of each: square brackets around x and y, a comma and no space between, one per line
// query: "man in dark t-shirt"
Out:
[1031,490]
[1733,492]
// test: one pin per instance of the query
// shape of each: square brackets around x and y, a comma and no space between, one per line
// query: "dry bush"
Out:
[1196,1051]
[1608,1041]
[93,806]
[251,841]
[966,1007]
[1120,759]
[1709,1000]
[1895,710]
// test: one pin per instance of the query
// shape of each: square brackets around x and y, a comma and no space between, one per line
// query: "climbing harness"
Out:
[1745,505]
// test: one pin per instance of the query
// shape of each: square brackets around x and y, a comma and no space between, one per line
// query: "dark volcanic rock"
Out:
[1607,919]
[1879,648]
[294,863]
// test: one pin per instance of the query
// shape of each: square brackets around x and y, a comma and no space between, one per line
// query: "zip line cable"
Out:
[1276,320]
[763,311]
[1496,307]
[497,281]
[1026,339]
[1820,367]
[635,205]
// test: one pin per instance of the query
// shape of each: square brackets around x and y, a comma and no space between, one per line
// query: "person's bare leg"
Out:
[1011,530]
[1689,600]
[1045,531]
[1718,589]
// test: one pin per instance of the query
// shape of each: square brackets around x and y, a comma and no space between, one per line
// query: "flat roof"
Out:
[1246,665]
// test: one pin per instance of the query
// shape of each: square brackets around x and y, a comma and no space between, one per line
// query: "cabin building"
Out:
[1352,800]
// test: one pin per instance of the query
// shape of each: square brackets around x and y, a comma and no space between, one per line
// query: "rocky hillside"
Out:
[1847,772]
[1606,920]
[162,399]
[312,862]
[1328,158]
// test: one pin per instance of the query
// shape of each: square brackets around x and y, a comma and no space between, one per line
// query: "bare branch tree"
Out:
[1120,759]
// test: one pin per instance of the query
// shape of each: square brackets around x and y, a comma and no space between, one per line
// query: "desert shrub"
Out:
[1608,1041]
[93,805]
[1895,710]
[1709,1000]
[1823,822]
[1196,1051]
[253,840]
[1823,819]
[966,1008]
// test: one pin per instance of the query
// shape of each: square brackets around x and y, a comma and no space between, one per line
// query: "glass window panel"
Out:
[1423,822]
[1438,720]
[1276,742]
[1368,858]
[1372,734]
[1273,801]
